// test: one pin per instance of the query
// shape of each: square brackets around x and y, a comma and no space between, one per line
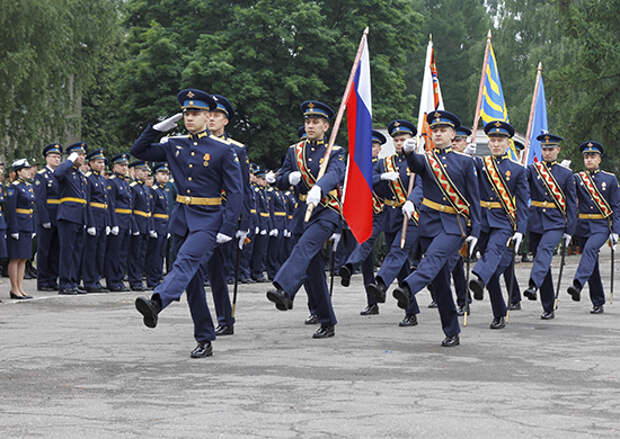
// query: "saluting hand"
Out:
[167,124]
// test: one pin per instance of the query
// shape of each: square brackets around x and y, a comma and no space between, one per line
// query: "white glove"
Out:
[391,176]
[294,178]
[33,235]
[91,231]
[409,145]
[72,157]
[408,208]
[314,195]
[256,230]
[516,240]
[470,149]
[136,233]
[241,235]
[565,164]
[153,234]
[271,177]
[336,239]
[273,232]
[263,232]
[567,239]
[613,239]
[15,235]
[46,225]
[220,238]
[107,230]
[167,124]
[168,236]
[114,230]
[472,241]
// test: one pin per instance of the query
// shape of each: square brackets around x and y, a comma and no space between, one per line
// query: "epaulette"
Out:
[171,180]
[15,183]
[186,136]
[133,183]
[112,176]
[608,173]
[294,145]
[516,162]
[461,153]
[88,174]
[42,171]
[336,148]
[234,142]
[219,139]
[270,189]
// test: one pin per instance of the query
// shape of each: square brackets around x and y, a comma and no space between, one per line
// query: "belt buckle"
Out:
[442,208]
[186,199]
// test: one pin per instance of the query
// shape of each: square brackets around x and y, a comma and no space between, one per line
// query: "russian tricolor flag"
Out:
[357,197]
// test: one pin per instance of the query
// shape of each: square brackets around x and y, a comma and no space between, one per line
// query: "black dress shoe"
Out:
[224,330]
[530,293]
[574,292]
[137,287]
[67,292]
[402,295]
[93,290]
[547,315]
[149,308]
[377,289]
[408,321]
[433,304]
[597,310]
[202,350]
[12,295]
[345,275]
[451,340]
[477,287]
[370,310]
[498,323]
[119,289]
[80,290]
[515,306]
[324,332]
[282,300]
[312,319]
[47,289]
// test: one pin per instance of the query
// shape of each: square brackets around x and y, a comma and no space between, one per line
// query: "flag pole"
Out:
[530,122]
[336,127]
[485,62]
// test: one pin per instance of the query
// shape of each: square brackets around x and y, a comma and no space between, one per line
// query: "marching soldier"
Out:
[98,224]
[504,194]
[305,265]
[46,193]
[73,189]
[159,207]
[449,213]
[142,227]
[552,216]
[598,197]
[202,167]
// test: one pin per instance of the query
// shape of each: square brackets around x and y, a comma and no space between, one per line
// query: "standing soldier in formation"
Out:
[73,189]
[46,192]
[306,265]
[277,213]
[552,217]
[261,239]
[141,227]
[159,211]
[598,197]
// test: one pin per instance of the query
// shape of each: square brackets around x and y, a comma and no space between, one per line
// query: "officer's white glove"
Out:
[287,234]
[314,195]
[46,225]
[136,233]
[567,239]
[263,232]
[516,241]
[15,235]
[33,235]
[91,231]
[471,241]
[220,238]
[271,177]
[168,236]
[565,164]
[470,149]
[115,230]
[408,208]
[613,239]
[391,176]
[294,178]
[73,157]
[257,230]
[241,235]
[167,124]
[107,230]
[153,234]
[409,145]
[335,238]
[273,232]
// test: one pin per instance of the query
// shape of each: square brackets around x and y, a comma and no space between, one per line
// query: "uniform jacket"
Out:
[46,192]
[20,202]
[141,201]
[98,203]
[121,202]
[73,193]
[607,185]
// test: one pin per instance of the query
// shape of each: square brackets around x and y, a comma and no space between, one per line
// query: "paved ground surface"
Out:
[86,367]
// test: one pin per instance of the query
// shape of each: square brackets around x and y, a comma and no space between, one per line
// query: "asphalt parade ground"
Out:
[85,366]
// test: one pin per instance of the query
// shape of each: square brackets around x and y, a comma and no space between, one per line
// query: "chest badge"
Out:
[206,159]
[604,185]
[508,174]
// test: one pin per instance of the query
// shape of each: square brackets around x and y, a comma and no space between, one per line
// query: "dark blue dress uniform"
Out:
[3,250]
[156,249]
[71,220]
[441,230]
[261,238]
[248,249]
[142,226]
[306,265]
[98,218]
[277,213]
[547,222]
[497,228]
[202,167]
[121,223]
[20,202]
[47,200]
[593,225]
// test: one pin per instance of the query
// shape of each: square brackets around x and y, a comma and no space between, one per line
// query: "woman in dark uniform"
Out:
[20,226]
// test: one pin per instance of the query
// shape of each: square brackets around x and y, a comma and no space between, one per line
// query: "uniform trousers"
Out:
[71,237]
[258,256]
[246,257]
[156,249]
[274,254]
[588,268]
[116,258]
[460,282]
[47,256]
[219,285]
[510,276]
[94,258]
[137,255]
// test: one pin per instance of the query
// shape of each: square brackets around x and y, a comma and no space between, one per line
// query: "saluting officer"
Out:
[121,221]
[598,197]
[20,201]
[71,217]
[142,226]
[202,166]
[159,211]
[449,213]
[97,225]
[306,265]
[46,193]
[552,216]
